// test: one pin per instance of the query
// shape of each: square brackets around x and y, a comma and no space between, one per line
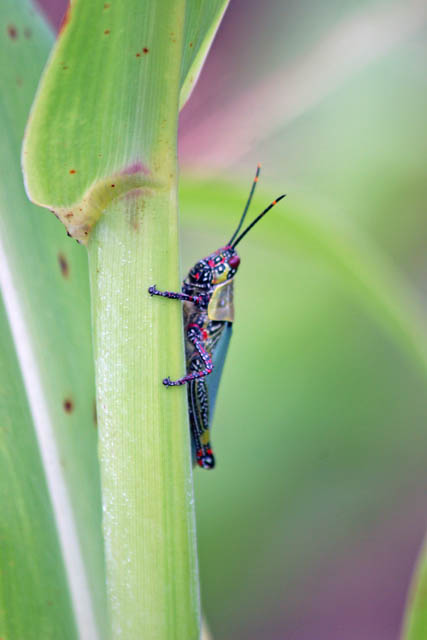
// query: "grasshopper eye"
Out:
[234,261]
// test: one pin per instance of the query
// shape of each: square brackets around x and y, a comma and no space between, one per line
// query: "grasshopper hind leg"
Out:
[198,402]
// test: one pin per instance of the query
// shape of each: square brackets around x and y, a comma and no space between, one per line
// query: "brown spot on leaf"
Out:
[12,32]
[145,50]
[68,405]
[72,171]
[107,32]
[65,67]
[63,265]
[113,185]
[107,5]
[191,44]
[138,55]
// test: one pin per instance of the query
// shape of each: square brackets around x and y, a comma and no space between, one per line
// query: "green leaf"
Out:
[43,280]
[101,128]
[201,24]
[34,597]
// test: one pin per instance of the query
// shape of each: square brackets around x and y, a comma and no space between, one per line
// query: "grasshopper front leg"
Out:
[153,291]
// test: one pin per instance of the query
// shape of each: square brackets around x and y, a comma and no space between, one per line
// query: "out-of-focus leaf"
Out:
[44,284]
[319,431]
[34,596]
[415,623]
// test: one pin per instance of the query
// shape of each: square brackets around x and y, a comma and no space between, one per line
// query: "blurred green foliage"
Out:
[313,523]
[318,409]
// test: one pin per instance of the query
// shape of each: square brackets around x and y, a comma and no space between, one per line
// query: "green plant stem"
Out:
[144,448]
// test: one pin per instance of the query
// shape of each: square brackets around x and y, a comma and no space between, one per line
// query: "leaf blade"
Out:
[415,618]
[44,287]
[201,24]
[34,596]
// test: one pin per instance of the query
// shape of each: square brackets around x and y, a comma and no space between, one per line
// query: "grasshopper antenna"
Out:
[258,169]
[242,235]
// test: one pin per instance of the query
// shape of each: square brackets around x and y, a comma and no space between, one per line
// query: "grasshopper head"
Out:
[224,264]
[216,268]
